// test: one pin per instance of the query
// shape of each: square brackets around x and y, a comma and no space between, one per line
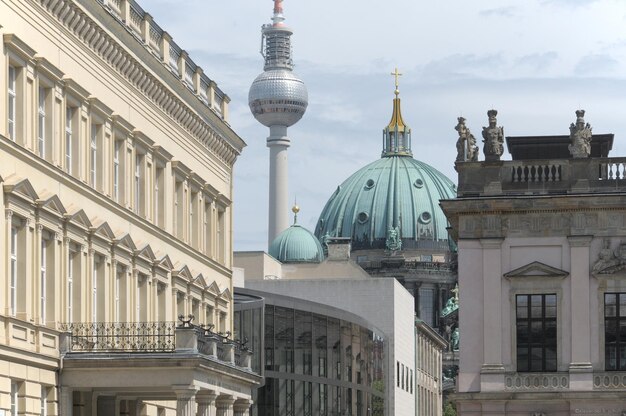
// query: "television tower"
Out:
[277,99]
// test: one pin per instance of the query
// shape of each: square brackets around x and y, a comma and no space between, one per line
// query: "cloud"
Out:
[507,11]
[569,3]
[460,66]
[537,61]
[595,65]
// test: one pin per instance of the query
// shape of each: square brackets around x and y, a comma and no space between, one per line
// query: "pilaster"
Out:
[580,367]
[492,370]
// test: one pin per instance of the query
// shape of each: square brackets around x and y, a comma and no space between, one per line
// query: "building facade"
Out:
[541,275]
[429,350]
[116,179]
[318,360]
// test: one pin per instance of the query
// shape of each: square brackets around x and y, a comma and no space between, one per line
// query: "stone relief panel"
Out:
[544,224]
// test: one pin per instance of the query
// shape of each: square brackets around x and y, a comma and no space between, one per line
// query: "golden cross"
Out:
[396,74]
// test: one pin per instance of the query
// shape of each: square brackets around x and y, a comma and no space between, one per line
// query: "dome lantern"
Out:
[397,134]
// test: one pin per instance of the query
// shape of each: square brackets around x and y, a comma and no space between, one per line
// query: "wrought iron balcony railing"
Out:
[156,337]
[122,337]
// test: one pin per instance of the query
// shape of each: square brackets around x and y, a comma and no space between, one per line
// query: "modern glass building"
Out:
[318,360]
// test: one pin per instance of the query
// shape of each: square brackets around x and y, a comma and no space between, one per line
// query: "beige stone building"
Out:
[542,276]
[429,348]
[116,162]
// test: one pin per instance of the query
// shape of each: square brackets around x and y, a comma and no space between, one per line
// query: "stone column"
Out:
[241,407]
[224,405]
[66,403]
[580,367]
[492,371]
[185,400]
[206,402]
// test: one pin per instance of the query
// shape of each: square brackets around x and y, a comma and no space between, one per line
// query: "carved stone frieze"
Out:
[542,224]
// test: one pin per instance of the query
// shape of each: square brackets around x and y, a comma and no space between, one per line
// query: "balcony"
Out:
[542,176]
[130,339]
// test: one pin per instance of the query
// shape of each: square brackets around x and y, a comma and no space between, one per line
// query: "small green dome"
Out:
[394,192]
[296,245]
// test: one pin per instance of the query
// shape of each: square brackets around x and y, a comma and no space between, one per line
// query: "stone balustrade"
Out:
[536,381]
[609,381]
[153,337]
[141,25]
[536,177]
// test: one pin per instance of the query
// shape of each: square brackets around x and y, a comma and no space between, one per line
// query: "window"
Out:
[120,298]
[70,285]
[615,331]
[69,113]
[194,217]
[42,275]
[221,235]
[178,209]
[13,284]
[93,156]
[14,398]
[142,298]
[398,373]
[139,196]
[207,229]
[12,102]
[116,170]
[97,302]
[427,306]
[41,123]
[44,400]
[536,332]
[159,196]
[195,309]
[160,302]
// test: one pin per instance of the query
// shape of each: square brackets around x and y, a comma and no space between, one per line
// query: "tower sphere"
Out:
[278,98]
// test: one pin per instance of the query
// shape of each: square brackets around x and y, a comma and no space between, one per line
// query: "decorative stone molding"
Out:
[536,270]
[88,31]
[609,381]
[536,381]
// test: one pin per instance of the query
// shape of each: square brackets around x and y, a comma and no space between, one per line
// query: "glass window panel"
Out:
[622,304]
[610,352]
[536,359]
[522,359]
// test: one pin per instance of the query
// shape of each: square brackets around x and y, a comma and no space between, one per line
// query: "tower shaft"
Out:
[278,142]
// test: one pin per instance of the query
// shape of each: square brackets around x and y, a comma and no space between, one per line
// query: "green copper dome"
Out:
[392,203]
[296,245]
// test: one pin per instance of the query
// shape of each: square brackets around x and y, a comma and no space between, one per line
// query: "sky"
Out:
[535,61]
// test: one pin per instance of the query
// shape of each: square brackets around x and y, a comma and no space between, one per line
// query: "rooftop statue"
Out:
[493,137]
[580,134]
[455,339]
[451,305]
[466,149]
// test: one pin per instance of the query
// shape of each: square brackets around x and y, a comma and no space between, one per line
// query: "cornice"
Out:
[75,20]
